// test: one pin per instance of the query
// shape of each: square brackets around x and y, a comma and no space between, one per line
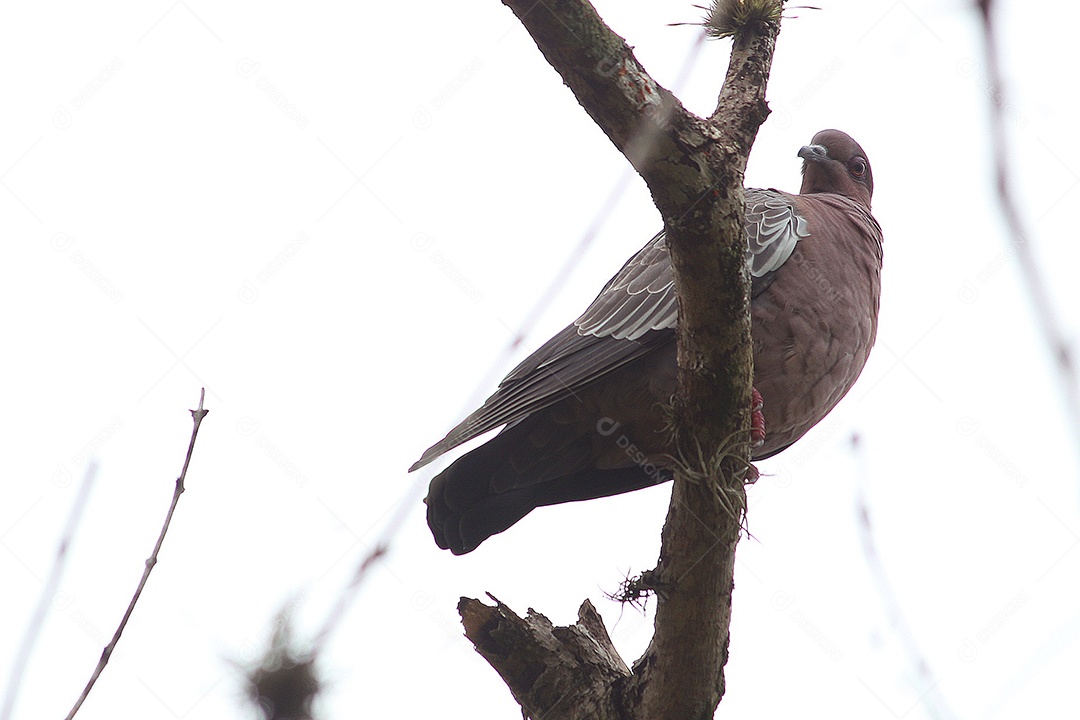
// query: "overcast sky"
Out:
[336,218]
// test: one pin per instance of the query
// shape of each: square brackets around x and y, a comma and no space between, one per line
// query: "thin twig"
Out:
[345,599]
[48,592]
[197,416]
[930,696]
[1045,315]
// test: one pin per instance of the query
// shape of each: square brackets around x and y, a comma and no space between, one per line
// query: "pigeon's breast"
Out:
[814,326]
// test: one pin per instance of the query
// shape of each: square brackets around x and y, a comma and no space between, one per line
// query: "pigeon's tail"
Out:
[486,491]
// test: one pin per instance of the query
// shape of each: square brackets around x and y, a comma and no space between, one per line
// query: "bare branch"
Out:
[563,672]
[930,695]
[348,595]
[682,672]
[694,168]
[48,593]
[197,416]
[1045,314]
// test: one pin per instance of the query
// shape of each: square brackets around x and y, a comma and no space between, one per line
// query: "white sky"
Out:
[335,219]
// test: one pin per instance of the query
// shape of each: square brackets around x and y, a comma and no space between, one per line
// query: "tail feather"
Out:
[473,499]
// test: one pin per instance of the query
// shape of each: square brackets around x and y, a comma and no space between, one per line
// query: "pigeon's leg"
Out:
[757,419]
[757,430]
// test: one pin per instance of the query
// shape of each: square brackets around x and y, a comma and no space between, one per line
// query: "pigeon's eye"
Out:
[857,166]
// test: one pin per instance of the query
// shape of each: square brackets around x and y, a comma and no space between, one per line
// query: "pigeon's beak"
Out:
[813,153]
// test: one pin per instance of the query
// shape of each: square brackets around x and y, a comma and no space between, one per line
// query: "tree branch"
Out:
[694,169]
[682,672]
[553,672]
[197,416]
[1046,314]
[48,594]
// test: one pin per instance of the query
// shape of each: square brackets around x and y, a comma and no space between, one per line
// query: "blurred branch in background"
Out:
[285,682]
[1045,314]
[1061,354]
[929,696]
[48,593]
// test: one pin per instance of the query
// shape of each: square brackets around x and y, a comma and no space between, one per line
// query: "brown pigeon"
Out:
[584,414]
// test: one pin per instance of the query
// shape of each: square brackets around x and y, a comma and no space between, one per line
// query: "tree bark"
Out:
[553,672]
[694,169]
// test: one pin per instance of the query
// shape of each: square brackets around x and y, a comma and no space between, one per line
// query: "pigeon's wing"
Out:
[635,313]
[773,229]
[632,315]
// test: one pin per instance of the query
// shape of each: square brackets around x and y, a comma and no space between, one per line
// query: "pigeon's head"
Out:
[834,163]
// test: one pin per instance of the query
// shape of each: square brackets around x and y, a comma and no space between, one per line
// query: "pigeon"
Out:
[584,416]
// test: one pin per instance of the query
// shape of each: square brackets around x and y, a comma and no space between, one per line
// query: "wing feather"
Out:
[635,313]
